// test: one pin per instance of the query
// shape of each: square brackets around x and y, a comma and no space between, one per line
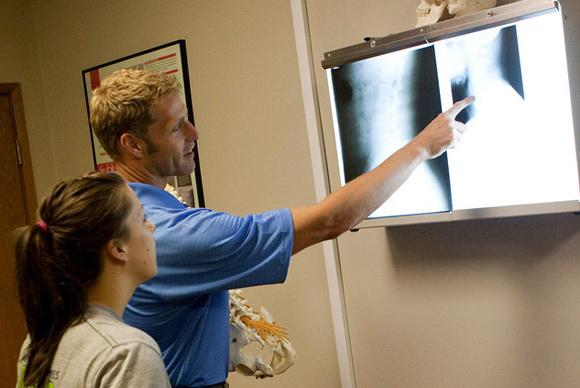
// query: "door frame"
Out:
[14,93]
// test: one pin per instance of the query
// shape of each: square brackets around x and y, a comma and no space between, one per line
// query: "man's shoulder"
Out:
[150,195]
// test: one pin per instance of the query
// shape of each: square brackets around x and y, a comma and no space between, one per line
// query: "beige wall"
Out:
[247,105]
[19,62]
[479,304]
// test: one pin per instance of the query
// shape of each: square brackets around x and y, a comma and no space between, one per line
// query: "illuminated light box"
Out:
[518,156]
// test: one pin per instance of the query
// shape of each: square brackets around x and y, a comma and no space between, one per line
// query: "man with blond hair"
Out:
[144,126]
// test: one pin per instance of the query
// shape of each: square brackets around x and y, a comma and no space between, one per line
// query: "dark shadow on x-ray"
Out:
[381,104]
[496,59]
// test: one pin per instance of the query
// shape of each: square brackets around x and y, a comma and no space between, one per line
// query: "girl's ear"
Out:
[132,145]
[117,250]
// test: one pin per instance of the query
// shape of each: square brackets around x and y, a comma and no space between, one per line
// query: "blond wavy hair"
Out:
[123,104]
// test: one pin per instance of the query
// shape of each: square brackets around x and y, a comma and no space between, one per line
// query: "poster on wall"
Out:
[171,59]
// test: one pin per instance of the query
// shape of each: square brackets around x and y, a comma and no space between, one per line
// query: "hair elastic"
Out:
[43,226]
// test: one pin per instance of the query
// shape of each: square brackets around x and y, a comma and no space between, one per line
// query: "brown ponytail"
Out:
[59,258]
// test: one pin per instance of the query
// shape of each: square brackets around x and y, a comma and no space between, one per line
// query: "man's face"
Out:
[171,139]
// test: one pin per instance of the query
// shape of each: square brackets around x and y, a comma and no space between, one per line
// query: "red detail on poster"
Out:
[159,59]
[95,79]
[107,167]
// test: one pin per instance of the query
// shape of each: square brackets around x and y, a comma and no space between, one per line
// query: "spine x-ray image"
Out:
[383,103]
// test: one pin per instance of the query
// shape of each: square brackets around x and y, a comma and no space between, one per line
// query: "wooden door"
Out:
[17,208]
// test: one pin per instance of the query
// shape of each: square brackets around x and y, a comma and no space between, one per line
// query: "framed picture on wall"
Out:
[169,58]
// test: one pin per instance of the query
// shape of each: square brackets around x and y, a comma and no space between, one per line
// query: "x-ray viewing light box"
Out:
[518,156]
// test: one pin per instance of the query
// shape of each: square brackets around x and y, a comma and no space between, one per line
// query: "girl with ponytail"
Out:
[76,270]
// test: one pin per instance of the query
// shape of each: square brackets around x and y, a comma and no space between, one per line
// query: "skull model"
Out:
[247,326]
[432,11]
[465,7]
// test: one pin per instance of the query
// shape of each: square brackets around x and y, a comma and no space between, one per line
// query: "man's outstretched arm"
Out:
[352,203]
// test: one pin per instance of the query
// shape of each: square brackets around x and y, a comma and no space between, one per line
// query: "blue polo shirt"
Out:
[201,254]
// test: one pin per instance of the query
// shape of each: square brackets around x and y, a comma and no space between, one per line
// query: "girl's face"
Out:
[140,245]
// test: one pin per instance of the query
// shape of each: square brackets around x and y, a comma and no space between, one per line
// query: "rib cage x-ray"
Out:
[487,65]
[519,147]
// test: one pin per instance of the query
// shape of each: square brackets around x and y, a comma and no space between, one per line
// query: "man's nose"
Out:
[192,133]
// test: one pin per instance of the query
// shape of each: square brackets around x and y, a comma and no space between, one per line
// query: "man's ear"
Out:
[132,145]
[117,250]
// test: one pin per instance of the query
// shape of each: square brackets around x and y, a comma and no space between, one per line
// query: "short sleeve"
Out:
[201,251]
[134,364]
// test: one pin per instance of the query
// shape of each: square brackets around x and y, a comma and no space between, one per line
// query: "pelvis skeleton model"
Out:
[432,11]
[247,326]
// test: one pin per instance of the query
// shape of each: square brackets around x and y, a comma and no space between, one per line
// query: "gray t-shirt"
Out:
[102,351]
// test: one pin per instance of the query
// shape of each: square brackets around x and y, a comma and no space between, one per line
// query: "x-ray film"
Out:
[519,148]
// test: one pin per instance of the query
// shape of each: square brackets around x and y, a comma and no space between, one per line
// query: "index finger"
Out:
[460,105]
